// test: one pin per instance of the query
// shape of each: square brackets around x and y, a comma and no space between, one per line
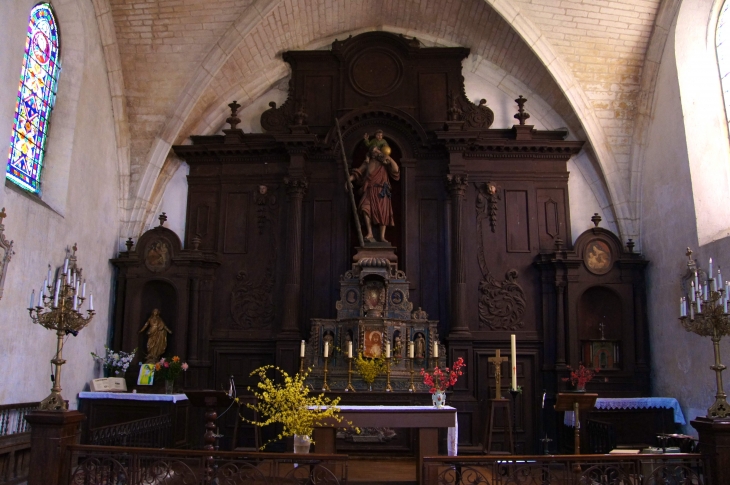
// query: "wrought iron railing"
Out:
[102,465]
[15,442]
[679,469]
[151,432]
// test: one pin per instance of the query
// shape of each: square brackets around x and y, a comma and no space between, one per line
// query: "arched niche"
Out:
[160,295]
[600,327]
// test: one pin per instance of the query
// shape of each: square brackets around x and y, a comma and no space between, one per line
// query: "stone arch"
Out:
[704,122]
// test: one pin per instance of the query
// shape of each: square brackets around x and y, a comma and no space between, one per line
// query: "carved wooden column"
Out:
[560,322]
[296,189]
[456,185]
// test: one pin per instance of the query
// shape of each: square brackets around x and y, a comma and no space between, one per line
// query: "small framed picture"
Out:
[146,375]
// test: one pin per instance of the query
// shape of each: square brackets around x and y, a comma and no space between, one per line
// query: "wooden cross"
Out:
[497,361]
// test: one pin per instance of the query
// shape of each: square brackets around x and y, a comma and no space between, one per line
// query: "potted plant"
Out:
[115,363]
[440,380]
[580,377]
[169,370]
[290,405]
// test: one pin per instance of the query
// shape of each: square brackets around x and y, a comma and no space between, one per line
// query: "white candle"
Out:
[49,273]
[32,298]
[387,349]
[91,302]
[436,349]
[349,349]
[693,293]
[83,294]
[65,266]
[514,361]
[699,305]
[326,349]
[41,295]
[719,278]
[43,289]
[681,307]
[302,347]
[55,296]
[76,302]
[68,279]
[410,349]
[710,268]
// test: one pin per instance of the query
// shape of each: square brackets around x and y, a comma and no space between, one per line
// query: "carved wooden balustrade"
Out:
[102,465]
[644,469]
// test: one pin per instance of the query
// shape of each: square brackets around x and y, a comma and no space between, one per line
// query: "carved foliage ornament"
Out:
[487,203]
[502,304]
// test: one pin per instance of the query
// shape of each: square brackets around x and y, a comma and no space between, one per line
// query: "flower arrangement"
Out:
[440,380]
[369,368]
[580,377]
[170,369]
[290,404]
[115,362]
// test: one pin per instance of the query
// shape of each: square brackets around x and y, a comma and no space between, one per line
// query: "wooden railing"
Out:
[679,469]
[14,442]
[104,465]
[151,432]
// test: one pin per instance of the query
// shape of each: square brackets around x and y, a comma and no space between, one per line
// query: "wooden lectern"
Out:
[210,400]
[575,401]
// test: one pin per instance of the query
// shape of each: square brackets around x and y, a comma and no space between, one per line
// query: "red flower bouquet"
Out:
[580,377]
[441,380]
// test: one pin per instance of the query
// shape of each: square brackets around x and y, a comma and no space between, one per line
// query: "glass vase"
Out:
[302,443]
[169,386]
[439,399]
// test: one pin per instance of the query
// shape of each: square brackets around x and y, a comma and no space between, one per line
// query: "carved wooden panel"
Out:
[202,218]
[235,226]
[322,277]
[432,94]
[517,221]
[318,100]
[551,217]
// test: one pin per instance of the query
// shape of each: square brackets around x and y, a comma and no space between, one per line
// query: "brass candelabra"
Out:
[349,375]
[325,387]
[706,313]
[59,308]
[388,387]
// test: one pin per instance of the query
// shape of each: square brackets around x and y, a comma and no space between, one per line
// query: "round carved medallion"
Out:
[376,72]
[597,257]
[157,255]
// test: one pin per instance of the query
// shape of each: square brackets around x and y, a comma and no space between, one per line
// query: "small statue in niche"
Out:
[397,344]
[156,337]
[419,346]
[374,177]
[330,339]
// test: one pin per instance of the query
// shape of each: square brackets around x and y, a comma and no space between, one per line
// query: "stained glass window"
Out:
[36,96]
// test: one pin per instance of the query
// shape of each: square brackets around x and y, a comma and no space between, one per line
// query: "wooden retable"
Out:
[425,420]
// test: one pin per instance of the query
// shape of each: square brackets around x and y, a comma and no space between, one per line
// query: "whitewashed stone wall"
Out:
[80,184]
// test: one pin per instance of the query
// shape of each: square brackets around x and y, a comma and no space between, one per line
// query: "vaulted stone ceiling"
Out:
[175,64]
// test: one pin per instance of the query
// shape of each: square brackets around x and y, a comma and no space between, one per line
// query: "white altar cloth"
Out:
[634,403]
[453,432]
[133,396]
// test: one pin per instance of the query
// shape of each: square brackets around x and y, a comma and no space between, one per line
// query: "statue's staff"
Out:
[350,189]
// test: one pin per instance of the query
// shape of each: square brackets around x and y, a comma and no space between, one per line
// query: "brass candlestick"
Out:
[709,317]
[59,309]
[349,376]
[301,365]
[412,388]
[325,387]
[387,375]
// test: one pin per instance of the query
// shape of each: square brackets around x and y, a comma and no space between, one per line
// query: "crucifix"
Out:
[600,327]
[497,361]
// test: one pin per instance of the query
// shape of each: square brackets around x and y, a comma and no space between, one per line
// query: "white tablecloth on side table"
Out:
[133,396]
[634,403]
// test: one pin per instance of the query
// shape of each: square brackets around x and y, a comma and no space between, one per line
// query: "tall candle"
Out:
[387,349]
[693,293]
[49,273]
[436,349]
[65,266]
[326,349]
[681,307]
[55,296]
[40,295]
[43,289]
[32,298]
[349,349]
[410,349]
[83,292]
[302,347]
[91,302]
[514,362]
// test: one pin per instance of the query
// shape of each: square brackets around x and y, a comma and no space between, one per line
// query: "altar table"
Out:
[634,403]
[425,420]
